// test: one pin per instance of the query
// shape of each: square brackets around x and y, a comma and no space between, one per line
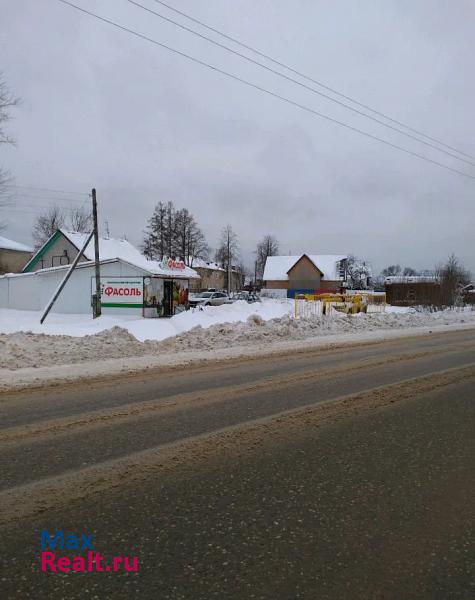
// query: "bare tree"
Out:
[244,272]
[189,241]
[80,219]
[453,277]
[268,246]
[5,199]
[155,241]
[172,232]
[409,272]
[391,271]
[227,252]
[47,223]
[7,102]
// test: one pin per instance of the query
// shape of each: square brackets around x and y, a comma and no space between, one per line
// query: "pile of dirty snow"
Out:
[70,339]
[257,332]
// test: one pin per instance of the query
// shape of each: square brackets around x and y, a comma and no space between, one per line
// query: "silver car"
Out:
[209,299]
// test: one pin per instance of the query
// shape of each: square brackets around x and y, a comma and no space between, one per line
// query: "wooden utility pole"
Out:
[96,307]
[229,263]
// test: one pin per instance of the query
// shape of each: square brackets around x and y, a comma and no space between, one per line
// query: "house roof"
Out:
[199,263]
[6,244]
[277,267]
[411,279]
[110,249]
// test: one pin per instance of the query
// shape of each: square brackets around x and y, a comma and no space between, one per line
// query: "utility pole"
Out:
[96,305]
[229,263]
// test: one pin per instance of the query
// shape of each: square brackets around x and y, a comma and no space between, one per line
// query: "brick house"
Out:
[213,275]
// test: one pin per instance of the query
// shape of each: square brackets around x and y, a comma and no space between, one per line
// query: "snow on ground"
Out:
[12,321]
[213,331]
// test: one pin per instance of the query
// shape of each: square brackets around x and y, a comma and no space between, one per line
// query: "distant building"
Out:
[305,274]
[468,293]
[214,276]
[13,255]
[416,290]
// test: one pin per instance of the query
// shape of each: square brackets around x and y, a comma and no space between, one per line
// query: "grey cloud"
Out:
[103,109]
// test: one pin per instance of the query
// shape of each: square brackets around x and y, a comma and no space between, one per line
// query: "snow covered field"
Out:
[211,332]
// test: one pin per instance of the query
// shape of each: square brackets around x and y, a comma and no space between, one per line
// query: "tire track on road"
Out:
[136,410]
[47,494]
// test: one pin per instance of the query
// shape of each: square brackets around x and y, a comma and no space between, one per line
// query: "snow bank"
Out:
[13,321]
[214,332]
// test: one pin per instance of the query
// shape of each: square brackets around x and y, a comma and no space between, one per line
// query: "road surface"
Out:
[344,473]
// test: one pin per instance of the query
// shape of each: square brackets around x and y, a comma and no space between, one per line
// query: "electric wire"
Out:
[299,83]
[265,90]
[43,189]
[308,78]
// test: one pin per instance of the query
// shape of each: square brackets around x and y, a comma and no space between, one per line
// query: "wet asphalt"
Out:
[377,505]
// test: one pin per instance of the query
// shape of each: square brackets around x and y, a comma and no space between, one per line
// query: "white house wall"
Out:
[20,292]
[34,291]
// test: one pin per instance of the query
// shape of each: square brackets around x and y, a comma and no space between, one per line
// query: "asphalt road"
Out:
[345,473]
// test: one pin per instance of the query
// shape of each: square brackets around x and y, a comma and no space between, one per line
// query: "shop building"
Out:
[130,283]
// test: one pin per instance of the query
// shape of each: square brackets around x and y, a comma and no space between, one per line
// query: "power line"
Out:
[50,198]
[265,90]
[42,207]
[308,78]
[42,189]
[34,211]
[303,85]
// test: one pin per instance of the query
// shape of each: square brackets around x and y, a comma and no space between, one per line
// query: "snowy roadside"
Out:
[29,359]
[13,321]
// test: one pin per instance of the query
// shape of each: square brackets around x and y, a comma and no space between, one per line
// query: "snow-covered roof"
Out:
[277,267]
[150,266]
[203,264]
[110,248]
[199,263]
[411,279]
[6,244]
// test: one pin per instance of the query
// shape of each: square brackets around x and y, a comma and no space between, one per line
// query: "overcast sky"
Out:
[102,108]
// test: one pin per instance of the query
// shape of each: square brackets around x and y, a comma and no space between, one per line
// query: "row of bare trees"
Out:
[174,232]
[7,101]
[56,217]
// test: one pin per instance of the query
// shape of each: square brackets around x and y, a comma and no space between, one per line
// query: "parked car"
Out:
[209,299]
[247,296]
